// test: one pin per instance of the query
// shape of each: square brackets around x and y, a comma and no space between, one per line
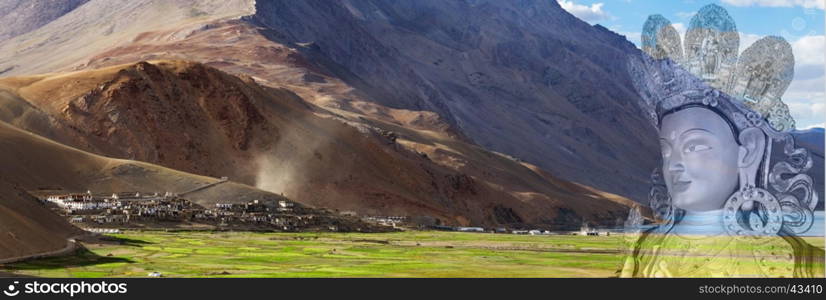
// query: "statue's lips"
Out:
[680,186]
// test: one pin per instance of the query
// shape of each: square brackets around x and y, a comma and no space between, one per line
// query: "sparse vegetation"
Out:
[400,254]
[397,254]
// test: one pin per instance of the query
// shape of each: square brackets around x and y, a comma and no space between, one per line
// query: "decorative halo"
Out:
[763,74]
[756,79]
[660,39]
[711,46]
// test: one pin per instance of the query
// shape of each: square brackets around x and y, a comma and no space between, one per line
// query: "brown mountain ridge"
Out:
[194,118]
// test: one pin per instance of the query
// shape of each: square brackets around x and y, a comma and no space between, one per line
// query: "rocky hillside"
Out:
[41,29]
[21,16]
[128,111]
[458,61]
[194,118]
[27,227]
[519,77]
[509,76]
[35,165]
[471,112]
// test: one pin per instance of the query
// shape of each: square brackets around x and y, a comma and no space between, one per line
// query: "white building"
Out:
[79,202]
[470,229]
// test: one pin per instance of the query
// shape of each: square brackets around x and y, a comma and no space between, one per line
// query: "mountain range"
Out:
[472,112]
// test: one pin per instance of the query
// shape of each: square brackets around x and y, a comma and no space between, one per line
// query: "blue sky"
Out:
[801,22]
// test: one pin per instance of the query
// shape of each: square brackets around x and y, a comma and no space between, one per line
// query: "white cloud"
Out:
[631,36]
[811,88]
[807,113]
[821,125]
[777,3]
[809,66]
[680,27]
[805,96]
[587,13]
[809,50]
[746,40]
[685,14]
[819,108]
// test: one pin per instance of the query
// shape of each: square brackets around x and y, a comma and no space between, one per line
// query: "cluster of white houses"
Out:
[584,230]
[387,220]
[395,221]
[123,208]
[282,216]
[78,202]
[87,201]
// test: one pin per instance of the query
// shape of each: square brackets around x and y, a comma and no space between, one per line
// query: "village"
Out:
[97,212]
[107,213]
[407,222]
[584,230]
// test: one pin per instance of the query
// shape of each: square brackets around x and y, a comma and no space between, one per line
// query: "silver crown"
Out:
[757,78]
[746,89]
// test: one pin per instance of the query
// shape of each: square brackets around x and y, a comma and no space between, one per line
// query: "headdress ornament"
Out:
[746,91]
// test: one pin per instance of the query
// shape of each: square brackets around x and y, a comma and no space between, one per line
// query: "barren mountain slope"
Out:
[228,126]
[508,75]
[524,78]
[32,163]
[21,16]
[35,165]
[48,44]
[27,227]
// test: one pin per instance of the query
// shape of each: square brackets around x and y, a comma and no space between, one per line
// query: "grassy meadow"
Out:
[398,254]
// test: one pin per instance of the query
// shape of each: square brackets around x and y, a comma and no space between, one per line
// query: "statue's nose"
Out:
[675,165]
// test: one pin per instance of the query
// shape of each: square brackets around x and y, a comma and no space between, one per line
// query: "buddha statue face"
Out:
[700,159]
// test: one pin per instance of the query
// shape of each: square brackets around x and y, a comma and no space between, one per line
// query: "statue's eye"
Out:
[696,148]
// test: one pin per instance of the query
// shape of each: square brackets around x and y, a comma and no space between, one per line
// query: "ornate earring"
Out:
[752,212]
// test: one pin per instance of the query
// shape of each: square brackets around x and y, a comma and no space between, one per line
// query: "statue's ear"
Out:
[752,146]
